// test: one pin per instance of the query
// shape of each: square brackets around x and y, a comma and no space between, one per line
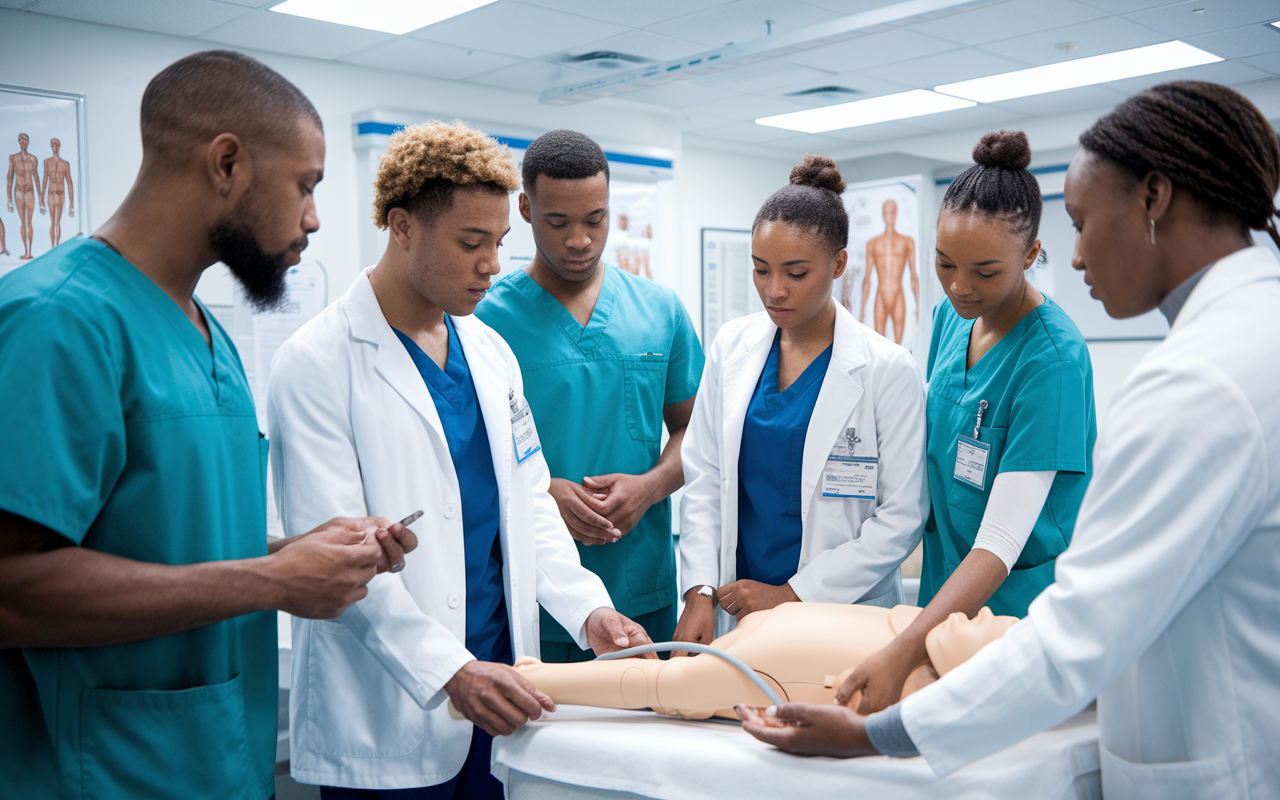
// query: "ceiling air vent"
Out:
[603,59]
[826,93]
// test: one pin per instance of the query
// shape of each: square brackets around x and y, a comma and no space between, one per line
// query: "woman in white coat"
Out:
[804,460]
[395,399]
[1167,604]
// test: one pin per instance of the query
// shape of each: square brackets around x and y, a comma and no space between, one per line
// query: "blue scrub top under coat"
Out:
[454,393]
[770,463]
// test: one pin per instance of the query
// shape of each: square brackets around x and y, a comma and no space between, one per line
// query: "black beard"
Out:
[259,273]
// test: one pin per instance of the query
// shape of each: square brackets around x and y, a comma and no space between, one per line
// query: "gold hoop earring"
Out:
[1153,231]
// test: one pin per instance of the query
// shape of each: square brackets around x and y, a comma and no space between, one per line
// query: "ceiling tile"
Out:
[15,3]
[285,33]
[678,95]
[1066,100]
[253,3]
[520,29]
[746,132]
[641,43]
[816,143]
[850,7]
[1251,40]
[1125,6]
[871,51]
[762,76]
[1227,73]
[633,14]
[175,17]
[1094,38]
[1002,20]
[881,131]
[1182,19]
[435,60]
[861,82]
[695,122]
[743,20]
[955,65]
[982,115]
[532,76]
[1270,62]
[748,107]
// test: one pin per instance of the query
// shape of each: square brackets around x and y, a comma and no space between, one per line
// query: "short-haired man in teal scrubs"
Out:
[137,589]
[607,358]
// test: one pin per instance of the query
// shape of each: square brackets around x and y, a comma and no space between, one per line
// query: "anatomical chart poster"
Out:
[40,142]
[881,284]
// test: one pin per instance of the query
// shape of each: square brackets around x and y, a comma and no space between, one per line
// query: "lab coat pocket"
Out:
[355,708]
[970,498]
[188,743]
[644,387]
[1206,778]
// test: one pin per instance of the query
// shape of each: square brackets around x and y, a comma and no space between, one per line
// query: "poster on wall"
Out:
[881,284]
[42,139]
[728,291]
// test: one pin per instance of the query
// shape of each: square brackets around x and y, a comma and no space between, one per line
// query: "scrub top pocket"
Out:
[188,743]
[971,499]
[644,387]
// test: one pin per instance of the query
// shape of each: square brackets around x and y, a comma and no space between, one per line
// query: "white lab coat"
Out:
[1167,602]
[354,431]
[850,548]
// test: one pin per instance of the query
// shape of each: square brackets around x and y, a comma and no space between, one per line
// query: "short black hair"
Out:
[206,94]
[812,201]
[562,155]
[1205,138]
[999,185]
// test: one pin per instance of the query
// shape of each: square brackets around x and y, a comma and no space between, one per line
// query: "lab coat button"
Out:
[454,600]
[449,510]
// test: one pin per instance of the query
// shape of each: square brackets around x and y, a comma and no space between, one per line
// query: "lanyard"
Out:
[977,423]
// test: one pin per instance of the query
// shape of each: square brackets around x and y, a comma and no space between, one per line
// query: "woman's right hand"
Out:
[879,679]
[697,623]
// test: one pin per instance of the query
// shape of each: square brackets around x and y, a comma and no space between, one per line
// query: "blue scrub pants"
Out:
[474,782]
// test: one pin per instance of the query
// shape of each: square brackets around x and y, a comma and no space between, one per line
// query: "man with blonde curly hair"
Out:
[397,398]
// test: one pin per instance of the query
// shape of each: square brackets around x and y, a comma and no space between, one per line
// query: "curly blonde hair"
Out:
[424,163]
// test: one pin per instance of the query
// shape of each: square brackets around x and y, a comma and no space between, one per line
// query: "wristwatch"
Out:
[707,591]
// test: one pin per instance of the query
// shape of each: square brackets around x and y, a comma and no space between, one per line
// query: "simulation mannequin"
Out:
[22,185]
[791,646]
[56,189]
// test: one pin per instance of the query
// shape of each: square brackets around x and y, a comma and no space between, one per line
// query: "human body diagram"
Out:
[22,189]
[889,254]
[57,189]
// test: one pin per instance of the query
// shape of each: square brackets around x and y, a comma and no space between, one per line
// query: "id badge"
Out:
[523,433]
[847,475]
[971,462]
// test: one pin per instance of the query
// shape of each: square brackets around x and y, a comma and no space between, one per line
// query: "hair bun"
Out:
[1005,149]
[819,172]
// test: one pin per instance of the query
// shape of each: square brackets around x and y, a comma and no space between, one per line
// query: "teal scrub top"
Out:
[128,434]
[1038,384]
[597,394]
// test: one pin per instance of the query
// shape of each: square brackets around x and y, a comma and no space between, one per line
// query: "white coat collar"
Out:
[1243,267]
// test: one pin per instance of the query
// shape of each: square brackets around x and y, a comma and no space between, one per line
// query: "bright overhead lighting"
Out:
[388,16]
[915,103]
[1080,72]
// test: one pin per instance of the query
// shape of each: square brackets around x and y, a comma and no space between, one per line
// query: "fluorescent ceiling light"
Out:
[915,103]
[1080,72]
[388,16]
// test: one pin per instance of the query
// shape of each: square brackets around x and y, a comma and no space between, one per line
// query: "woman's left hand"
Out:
[740,598]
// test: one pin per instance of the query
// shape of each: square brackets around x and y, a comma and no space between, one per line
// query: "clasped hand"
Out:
[604,508]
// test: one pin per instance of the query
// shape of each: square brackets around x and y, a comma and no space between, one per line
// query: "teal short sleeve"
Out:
[1048,423]
[64,435]
[684,369]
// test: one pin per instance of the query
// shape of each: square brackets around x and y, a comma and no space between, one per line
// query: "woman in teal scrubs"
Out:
[1010,414]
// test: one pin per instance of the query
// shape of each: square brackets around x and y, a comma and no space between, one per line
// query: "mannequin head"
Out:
[956,640]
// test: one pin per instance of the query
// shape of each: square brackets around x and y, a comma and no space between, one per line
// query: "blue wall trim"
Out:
[387,128]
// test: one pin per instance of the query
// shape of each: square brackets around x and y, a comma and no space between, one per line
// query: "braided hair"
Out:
[811,200]
[1205,138]
[999,185]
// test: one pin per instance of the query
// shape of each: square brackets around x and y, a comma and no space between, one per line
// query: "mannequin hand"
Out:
[495,697]
[880,678]
[697,621]
[809,730]
[626,499]
[581,511]
[607,631]
[740,598]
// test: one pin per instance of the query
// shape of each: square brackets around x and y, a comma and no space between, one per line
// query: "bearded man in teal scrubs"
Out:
[607,358]
[137,588]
